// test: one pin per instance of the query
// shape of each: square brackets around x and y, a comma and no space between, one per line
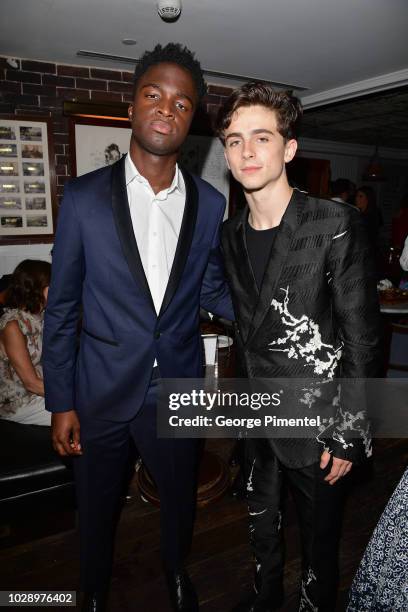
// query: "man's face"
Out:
[162,109]
[256,152]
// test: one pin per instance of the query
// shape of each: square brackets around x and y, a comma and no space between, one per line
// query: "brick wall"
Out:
[40,88]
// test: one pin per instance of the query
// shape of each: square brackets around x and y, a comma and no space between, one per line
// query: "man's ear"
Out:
[130,112]
[290,150]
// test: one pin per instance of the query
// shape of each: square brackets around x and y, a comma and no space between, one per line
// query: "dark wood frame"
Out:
[97,121]
[89,113]
[38,238]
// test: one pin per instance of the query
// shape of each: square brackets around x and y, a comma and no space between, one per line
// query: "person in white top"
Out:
[404,256]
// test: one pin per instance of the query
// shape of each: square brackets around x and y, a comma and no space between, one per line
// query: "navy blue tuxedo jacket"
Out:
[97,266]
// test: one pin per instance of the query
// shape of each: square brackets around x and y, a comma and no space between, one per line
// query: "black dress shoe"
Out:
[94,602]
[181,590]
[252,602]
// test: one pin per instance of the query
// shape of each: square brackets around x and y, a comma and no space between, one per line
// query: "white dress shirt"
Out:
[156,220]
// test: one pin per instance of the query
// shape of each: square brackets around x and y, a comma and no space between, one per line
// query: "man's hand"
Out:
[340,467]
[65,433]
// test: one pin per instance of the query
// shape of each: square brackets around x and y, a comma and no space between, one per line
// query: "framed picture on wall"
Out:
[97,141]
[27,180]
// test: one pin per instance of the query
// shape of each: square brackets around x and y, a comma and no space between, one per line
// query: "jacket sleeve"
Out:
[63,309]
[215,296]
[352,278]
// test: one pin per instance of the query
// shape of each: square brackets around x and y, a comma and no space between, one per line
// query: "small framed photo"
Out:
[36,203]
[10,202]
[8,168]
[31,132]
[12,222]
[27,180]
[7,132]
[31,151]
[37,220]
[8,149]
[9,186]
[33,169]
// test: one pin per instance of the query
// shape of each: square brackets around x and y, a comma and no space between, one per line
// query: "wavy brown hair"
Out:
[26,286]
[287,107]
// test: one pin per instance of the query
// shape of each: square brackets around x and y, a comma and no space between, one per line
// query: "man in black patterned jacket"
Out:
[304,292]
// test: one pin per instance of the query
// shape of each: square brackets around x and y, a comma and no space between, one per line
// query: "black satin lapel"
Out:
[277,258]
[185,238]
[124,227]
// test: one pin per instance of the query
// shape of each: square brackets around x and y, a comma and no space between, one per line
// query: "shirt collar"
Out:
[132,173]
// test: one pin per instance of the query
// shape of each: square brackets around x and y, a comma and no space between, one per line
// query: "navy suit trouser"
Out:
[100,473]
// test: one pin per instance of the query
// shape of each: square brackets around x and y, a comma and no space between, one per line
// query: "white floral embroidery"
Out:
[306,604]
[253,513]
[356,423]
[335,427]
[303,340]
[250,486]
[340,235]
[310,396]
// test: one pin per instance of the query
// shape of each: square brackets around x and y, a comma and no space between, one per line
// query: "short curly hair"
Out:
[287,107]
[172,53]
[26,286]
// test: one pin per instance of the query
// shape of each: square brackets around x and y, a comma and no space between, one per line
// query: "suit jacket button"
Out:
[157,335]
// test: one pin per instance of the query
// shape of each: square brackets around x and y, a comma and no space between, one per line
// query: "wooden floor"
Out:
[220,564]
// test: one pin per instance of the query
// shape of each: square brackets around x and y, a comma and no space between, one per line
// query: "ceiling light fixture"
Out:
[374,171]
[129,41]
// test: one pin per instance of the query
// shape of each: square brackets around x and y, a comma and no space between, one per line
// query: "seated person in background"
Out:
[21,328]
[404,256]
[404,265]
[4,283]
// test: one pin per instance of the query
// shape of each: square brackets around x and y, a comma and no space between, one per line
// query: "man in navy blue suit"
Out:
[137,247]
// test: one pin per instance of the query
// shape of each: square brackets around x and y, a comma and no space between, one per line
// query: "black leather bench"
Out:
[36,485]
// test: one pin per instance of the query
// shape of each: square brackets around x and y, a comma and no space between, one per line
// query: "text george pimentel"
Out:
[243,422]
[255,401]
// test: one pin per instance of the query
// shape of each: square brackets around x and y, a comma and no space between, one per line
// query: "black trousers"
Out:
[99,475]
[319,507]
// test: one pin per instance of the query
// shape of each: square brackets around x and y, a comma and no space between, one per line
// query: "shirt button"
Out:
[157,334]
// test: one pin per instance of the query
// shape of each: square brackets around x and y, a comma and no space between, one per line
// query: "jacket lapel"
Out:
[185,238]
[124,227]
[277,257]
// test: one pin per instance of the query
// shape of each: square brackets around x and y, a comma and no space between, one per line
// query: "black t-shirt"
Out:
[259,244]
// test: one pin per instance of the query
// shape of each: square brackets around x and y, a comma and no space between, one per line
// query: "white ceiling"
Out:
[332,48]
